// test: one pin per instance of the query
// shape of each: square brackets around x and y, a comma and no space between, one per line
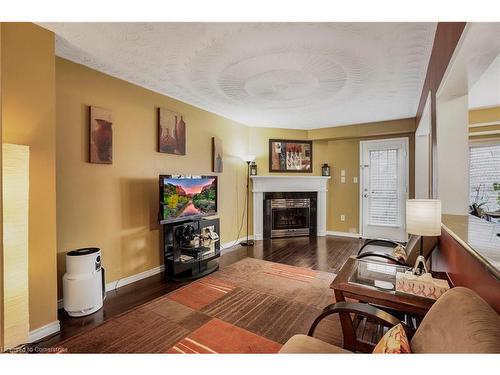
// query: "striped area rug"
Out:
[291,272]
[251,306]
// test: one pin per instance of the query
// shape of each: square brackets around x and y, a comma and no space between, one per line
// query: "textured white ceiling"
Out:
[290,75]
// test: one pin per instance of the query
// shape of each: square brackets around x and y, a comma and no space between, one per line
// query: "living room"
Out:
[207,187]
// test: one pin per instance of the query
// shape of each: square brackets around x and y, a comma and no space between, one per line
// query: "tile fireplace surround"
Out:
[264,184]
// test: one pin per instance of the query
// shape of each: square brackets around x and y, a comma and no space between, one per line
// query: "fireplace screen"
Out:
[290,217]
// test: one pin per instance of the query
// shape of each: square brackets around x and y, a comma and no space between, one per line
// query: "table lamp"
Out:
[423,218]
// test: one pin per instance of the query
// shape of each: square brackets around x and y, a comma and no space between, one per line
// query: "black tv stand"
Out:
[188,251]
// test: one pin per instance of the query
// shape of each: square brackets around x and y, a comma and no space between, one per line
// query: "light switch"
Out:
[342,217]
[342,172]
[355,180]
[342,180]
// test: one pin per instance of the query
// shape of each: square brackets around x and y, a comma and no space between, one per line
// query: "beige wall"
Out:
[484,115]
[258,145]
[115,207]
[343,199]
[488,116]
[28,118]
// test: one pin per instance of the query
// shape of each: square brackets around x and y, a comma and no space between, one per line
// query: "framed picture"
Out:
[290,156]
[171,132]
[101,136]
[217,155]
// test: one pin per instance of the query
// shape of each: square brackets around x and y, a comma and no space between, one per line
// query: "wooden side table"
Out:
[414,305]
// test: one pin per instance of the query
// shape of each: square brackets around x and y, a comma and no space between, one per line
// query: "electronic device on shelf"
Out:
[184,235]
[187,197]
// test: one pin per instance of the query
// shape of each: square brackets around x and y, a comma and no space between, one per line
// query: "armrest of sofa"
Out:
[369,311]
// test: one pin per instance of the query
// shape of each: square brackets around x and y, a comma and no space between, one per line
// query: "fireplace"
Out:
[288,214]
[312,187]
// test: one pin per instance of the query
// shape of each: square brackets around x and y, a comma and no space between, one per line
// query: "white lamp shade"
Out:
[249,158]
[423,217]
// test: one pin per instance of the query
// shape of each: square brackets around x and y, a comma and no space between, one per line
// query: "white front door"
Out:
[384,188]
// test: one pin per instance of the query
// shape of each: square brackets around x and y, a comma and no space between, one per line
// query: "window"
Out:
[384,184]
[484,172]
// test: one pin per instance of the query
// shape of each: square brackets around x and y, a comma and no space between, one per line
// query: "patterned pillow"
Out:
[394,341]
[399,253]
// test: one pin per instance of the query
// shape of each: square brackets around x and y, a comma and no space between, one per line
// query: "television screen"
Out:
[185,197]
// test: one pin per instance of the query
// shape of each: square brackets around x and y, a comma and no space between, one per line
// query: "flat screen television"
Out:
[187,197]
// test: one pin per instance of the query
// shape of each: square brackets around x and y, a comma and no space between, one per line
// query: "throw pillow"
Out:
[394,341]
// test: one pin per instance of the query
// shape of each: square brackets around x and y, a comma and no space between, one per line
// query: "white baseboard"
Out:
[343,234]
[133,278]
[224,248]
[44,331]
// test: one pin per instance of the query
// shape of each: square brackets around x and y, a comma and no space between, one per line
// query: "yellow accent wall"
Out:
[28,118]
[484,115]
[344,198]
[490,117]
[259,145]
[114,207]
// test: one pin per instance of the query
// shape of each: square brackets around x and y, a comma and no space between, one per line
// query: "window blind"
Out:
[484,171]
[383,208]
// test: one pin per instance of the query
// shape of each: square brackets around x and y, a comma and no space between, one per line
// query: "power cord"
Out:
[242,221]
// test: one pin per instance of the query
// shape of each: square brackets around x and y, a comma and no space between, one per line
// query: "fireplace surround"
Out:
[313,185]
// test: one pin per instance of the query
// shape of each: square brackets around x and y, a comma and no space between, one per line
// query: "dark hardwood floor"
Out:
[319,253]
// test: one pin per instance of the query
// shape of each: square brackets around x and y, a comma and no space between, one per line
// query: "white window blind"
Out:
[484,171]
[383,208]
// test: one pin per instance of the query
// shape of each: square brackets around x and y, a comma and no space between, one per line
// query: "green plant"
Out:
[496,187]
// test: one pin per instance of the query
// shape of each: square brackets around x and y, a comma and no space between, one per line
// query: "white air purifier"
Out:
[83,282]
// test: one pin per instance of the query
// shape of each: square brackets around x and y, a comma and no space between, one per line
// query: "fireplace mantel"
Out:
[263,184]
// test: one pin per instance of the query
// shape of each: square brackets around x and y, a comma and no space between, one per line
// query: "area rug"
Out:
[251,306]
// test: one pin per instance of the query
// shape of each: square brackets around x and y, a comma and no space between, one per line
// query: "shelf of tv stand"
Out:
[200,264]
[202,256]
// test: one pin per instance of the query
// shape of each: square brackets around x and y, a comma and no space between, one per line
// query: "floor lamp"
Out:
[248,159]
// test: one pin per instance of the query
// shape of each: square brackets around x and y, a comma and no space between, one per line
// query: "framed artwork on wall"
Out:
[101,136]
[217,155]
[171,132]
[290,156]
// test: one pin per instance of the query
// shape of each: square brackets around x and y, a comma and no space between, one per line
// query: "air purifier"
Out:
[83,282]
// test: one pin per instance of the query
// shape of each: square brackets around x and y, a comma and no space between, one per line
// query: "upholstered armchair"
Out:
[459,322]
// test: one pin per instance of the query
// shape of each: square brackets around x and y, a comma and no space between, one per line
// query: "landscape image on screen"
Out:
[184,197]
